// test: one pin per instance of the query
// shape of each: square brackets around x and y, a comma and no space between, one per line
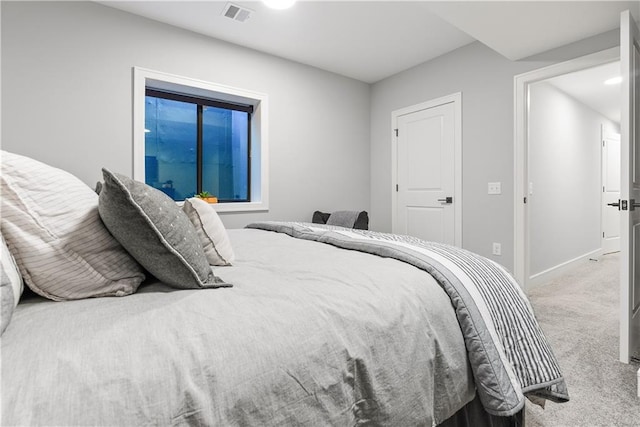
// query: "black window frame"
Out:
[200,103]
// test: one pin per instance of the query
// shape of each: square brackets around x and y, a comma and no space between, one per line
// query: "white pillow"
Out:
[50,220]
[11,285]
[213,236]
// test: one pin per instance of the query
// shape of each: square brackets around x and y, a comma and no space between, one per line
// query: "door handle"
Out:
[625,205]
[446,200]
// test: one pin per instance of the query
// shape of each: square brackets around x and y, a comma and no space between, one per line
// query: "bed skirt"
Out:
[474,415]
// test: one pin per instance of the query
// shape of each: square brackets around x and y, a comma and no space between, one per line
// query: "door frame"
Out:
[522,83]
[456,99]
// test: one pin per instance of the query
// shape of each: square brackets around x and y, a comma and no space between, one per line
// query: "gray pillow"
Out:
[155,231]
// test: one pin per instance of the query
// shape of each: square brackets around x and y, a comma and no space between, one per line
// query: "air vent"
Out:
[237,13]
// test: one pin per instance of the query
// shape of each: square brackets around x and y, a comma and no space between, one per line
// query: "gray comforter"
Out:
[509,354]
[310,334]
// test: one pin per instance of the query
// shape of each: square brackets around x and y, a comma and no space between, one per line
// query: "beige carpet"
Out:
[579,315]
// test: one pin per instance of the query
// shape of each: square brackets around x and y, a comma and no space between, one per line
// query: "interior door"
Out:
[426,174]
[610,191]
[630,190]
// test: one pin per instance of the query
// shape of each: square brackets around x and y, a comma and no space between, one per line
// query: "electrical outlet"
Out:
[497,249]
[495,188]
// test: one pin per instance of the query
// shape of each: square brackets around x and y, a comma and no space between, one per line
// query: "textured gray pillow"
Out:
[155,231]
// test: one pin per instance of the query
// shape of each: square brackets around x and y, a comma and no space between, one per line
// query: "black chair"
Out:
[349,219]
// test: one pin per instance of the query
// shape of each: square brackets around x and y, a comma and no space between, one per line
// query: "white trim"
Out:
[557,271]
[456,99]
[143,77]
[521,126]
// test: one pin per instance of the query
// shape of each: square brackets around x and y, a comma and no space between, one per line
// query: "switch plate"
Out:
[497,249]
[495,188]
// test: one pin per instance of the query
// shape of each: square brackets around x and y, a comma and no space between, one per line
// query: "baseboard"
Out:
[560,269]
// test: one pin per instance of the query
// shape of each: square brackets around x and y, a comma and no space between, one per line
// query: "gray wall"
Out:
[565,169]
[66,98]
[67,101]
[485,79]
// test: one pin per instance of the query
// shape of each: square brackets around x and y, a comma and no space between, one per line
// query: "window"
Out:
[197,144]
[192,136]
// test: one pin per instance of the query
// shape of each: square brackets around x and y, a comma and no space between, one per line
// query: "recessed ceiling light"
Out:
[279,4]
[613,80]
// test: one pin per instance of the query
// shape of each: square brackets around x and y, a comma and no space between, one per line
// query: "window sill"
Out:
[238,207]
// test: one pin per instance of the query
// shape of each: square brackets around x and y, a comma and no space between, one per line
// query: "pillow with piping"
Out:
[51,223]
[11,285]
[211,232]
[156,232]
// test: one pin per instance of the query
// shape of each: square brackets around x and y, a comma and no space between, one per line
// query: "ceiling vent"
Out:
[237,13]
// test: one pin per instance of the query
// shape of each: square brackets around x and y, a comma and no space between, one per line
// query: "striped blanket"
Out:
[509,354]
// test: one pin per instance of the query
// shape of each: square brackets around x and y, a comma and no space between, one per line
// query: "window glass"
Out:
[192,147]
[225,153]
[170,146]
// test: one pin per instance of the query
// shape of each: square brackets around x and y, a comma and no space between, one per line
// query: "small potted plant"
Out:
[207,197]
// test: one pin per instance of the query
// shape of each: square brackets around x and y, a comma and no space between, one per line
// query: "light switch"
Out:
[495,188]
[497,249]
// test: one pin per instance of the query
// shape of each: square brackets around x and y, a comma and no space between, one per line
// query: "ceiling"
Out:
[370,40]
[365,40]
[587,86]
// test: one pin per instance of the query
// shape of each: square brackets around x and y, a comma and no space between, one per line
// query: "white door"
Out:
[630,190]
[426,174]
[610,191]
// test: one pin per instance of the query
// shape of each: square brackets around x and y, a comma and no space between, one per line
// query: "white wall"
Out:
[67,101]
[565,169]
[485,79]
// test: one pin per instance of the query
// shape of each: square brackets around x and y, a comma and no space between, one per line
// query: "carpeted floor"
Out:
[579,315]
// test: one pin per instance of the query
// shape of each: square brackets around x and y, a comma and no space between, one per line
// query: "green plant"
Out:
[204,194]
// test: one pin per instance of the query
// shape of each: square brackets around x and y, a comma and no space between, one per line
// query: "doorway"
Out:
[525,189]
[567,115]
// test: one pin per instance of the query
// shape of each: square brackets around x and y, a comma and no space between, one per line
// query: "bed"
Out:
[289,323]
